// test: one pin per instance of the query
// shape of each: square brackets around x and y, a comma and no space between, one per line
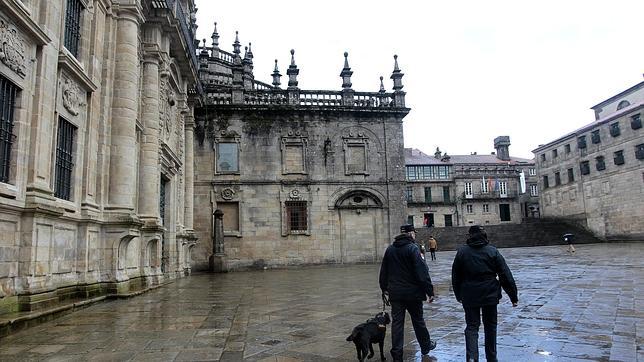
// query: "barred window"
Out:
[618,158]
[614,129]
[162,189]
[584,166]
[600,164]
[72,26]
[636,121]
[7,101]
[581,142]
[595,137]
[64,159]
[297,216]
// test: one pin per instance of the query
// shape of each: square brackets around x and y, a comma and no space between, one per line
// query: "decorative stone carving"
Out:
[12,49]
[294,194]
[167,109]
[227,193]
[73,96]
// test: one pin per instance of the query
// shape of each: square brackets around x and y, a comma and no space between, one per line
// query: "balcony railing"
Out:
[489,195]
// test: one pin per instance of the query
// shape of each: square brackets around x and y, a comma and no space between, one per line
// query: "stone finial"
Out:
[346,73]
[382,86]
[215,38]
[204,50]
[438,153]
[236,44]
[397,75]
[292,71]
[276,76]
[249,52]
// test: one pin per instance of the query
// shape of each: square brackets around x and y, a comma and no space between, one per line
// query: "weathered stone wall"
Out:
[125,93]
[352,214]
[607,201]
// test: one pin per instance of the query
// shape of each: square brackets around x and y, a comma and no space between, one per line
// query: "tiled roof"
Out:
[415,156]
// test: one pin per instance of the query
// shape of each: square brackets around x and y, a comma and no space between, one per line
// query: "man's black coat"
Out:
[403,272]
[474,273]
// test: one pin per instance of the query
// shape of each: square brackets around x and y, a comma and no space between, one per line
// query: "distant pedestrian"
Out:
[474,280]
[569,238]
[433,245]
[405,277]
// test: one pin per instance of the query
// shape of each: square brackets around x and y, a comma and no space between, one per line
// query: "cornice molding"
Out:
[20,17]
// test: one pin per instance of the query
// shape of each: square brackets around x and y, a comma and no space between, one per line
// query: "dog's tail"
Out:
[352,336]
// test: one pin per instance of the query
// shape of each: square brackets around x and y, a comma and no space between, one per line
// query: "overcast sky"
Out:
[474,69]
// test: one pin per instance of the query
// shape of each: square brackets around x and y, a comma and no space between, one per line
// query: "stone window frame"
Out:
[486,208]
[600,163]
[567,148]
[571,175]
[227,139]
[595,137]
[532,171]
[299,194]
[555,153]
[74,155]
[639,151]
[13,125]
[238,232]
[618,157]
[294,141]
[356,142]
[546,183]
[584,167]
[636,121]
[409,193]
[469,190]
[534,190]
[469,208]
[230,194]
[614,129]
[557,178]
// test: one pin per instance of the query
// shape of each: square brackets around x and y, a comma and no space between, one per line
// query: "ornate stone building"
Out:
[594,176]
[95,144]
[458,190]
[301,176]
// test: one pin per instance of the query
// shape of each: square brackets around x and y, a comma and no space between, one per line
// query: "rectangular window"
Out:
[503,188]
[356,158]
[73,26]
[411,173]
[614,129]
[428,220]
[162,188]
[448,220]
[231,216]
[639,151]
[428,194]
[427,172]
[7,102]
[555,153]
[504,212]
[636,121]
[594,137]
[534,190]
[543,157]
[557,179]
[64,159]
[470,209]
[293,158]
[486,208]
[410,219]
[409,193]
[599,163]
[618,157]
[446,197]
[545,182]
[533,172]
[584,167]
[485,188]
[296,215]
[581,142]
[468,190]
[567,148]
[571,175]
[227,157]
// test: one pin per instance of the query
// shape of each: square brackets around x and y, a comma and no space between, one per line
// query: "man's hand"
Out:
[514,304]
[430,298]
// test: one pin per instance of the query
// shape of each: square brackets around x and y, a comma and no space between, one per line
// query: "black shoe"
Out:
[432,346]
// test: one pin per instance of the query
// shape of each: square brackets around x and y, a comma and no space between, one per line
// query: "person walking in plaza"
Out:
[474,280]
[404,276]
[433,245]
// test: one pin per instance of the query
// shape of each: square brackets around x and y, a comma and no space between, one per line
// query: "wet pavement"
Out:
[582,307]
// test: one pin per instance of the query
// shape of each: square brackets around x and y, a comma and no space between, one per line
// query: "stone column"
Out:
[149,177]
[218,257]
[122,186]
[189,170]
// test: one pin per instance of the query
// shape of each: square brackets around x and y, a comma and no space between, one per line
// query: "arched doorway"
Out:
[361,220]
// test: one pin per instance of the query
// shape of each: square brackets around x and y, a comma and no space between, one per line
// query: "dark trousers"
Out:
[415,309]
[473,320]
[433,251]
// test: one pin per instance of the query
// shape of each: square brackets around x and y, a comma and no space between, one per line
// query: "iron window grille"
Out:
[581,142]
[639,151]
[618,157]
[64,159]
[7,102]
[162,190]
[636,121]
[584,167]
[600,164]
[297,216]
[614,129]
[595,138]
[73,26]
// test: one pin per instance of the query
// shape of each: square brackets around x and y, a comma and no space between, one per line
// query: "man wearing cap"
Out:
[474,280]
[405,277]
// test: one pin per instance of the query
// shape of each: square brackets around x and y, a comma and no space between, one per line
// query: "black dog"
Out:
[371,331]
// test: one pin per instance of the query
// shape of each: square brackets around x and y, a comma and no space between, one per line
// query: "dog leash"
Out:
[385,300]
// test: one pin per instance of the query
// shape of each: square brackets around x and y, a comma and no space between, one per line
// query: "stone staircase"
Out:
[536,232]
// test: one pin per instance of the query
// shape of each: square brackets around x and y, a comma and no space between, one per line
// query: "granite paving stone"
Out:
[581,307]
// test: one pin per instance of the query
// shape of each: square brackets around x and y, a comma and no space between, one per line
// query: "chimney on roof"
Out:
[502,146]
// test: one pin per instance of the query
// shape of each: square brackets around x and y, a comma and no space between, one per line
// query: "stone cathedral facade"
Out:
[300,176]
[97,102]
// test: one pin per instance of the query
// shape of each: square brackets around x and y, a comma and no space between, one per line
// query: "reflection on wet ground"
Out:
[581,307]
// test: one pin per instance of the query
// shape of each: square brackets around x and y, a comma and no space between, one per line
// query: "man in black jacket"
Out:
[474,279]
[405,277]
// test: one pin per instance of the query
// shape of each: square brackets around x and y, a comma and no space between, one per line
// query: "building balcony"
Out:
[419,203]
[493,195]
